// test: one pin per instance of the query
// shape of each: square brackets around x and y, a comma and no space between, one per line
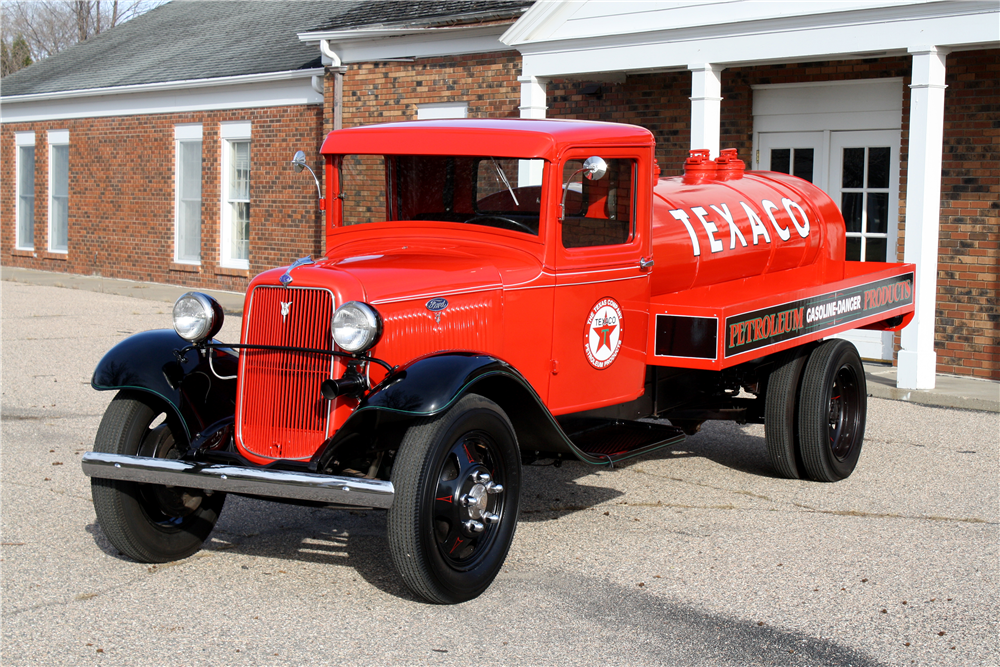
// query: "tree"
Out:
[48,27]
[15,57]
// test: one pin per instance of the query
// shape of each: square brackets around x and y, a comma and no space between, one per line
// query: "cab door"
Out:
[602,285]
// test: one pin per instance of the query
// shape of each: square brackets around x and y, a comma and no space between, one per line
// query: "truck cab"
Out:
[494,292]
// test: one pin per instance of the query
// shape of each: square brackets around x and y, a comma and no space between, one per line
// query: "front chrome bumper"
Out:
[237,479]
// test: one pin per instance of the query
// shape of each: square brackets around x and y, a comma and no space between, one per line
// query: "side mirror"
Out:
[594,168]
[299,163]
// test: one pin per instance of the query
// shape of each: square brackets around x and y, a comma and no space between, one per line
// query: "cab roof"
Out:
[499,137]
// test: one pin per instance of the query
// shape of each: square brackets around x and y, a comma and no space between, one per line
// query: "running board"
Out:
[238,479]
[603,440]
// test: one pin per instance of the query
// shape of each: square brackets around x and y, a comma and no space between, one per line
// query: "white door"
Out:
[864,181]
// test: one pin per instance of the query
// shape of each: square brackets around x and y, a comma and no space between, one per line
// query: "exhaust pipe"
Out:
[238,479]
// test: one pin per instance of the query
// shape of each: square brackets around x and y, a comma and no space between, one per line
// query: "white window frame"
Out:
[442,110]
[184,134]
[229,134]
[57,138]
[22,140]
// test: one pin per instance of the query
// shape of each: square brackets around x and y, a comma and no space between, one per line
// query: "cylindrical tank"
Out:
[718,223]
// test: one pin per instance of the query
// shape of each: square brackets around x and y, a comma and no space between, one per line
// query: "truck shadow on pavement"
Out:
[354,539]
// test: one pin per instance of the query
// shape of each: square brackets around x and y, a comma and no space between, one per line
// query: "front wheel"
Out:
[457,478]
[149,523]
[832,412]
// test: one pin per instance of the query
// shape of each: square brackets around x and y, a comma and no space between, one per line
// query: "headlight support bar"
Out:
[181,353]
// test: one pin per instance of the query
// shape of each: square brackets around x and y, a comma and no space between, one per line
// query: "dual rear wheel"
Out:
[815,412]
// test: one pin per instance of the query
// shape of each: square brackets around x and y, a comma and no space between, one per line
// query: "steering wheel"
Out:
[493,220]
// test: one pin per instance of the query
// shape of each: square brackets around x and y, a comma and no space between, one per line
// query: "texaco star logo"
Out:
[602,337]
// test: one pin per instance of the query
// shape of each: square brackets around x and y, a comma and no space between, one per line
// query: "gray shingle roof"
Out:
[185,40]
[396,12]
[195,39]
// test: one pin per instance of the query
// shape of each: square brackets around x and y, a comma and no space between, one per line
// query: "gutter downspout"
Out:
[335,66]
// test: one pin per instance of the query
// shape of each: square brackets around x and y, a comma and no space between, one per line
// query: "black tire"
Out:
[439,463]
[149,523]
[832,411]
[780,412]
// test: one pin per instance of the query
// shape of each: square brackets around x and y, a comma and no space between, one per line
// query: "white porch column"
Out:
[532,96]
[532,106]
[917,359]
[706,106]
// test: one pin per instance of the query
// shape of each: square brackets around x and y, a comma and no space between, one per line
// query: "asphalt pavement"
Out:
[693,556]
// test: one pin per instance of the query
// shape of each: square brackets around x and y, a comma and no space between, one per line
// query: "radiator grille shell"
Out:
[280,413]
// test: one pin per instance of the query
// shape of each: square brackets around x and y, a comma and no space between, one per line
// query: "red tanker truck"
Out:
[494,292]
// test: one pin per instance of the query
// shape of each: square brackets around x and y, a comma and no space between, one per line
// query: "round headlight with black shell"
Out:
[197,317]
[356,327]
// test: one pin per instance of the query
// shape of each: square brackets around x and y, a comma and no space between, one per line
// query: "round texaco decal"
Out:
[602,337]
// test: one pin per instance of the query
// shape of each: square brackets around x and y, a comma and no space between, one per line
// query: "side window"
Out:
[236,168]
[362,182]
[187,186]
[58,190]
[599,212]
[25,142]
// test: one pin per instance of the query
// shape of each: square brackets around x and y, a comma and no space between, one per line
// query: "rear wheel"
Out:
[832,411]
[780,423]
[457,477]
[150,523]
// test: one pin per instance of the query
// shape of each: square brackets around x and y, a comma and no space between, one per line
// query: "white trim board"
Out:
[889,29]
[271,90]
[874,104]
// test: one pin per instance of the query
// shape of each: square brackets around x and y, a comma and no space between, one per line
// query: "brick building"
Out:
[791,92]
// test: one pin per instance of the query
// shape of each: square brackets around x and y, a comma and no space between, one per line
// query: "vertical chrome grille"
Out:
[280,413]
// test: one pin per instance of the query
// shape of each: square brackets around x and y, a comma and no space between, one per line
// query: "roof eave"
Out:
[167,85]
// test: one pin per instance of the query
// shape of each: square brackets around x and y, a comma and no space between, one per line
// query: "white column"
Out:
[706,106]
[917,359]
[532,96]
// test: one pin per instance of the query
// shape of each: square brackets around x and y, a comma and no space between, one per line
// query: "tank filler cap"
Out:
[729,166]
[699,166]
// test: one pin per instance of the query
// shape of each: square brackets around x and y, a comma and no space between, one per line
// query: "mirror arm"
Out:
[562,206]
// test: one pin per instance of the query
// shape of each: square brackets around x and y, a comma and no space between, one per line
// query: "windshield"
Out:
[491,191]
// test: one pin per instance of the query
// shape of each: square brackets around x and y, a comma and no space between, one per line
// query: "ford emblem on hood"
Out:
[437,303]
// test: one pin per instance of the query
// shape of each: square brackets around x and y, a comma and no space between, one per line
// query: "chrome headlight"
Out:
[197,317]
[356,327]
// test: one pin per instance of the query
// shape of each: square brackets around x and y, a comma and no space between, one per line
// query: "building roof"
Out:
[185,40]
[197,39]
[378,13]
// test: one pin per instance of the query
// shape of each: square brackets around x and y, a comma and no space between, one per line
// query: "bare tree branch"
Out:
[49,26]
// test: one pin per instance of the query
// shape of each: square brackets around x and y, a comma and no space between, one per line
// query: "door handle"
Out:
[645,263]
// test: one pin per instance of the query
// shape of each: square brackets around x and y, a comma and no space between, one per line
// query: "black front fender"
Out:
[147,362]
[430,385]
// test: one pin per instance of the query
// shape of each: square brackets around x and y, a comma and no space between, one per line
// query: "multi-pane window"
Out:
[239,198]
[58,190]
[794,161]
[188,183]
[236,168]
[864,201]
[25,205]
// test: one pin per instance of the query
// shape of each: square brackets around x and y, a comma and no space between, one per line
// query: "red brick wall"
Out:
[381,92]
[967,335]
[121,201]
